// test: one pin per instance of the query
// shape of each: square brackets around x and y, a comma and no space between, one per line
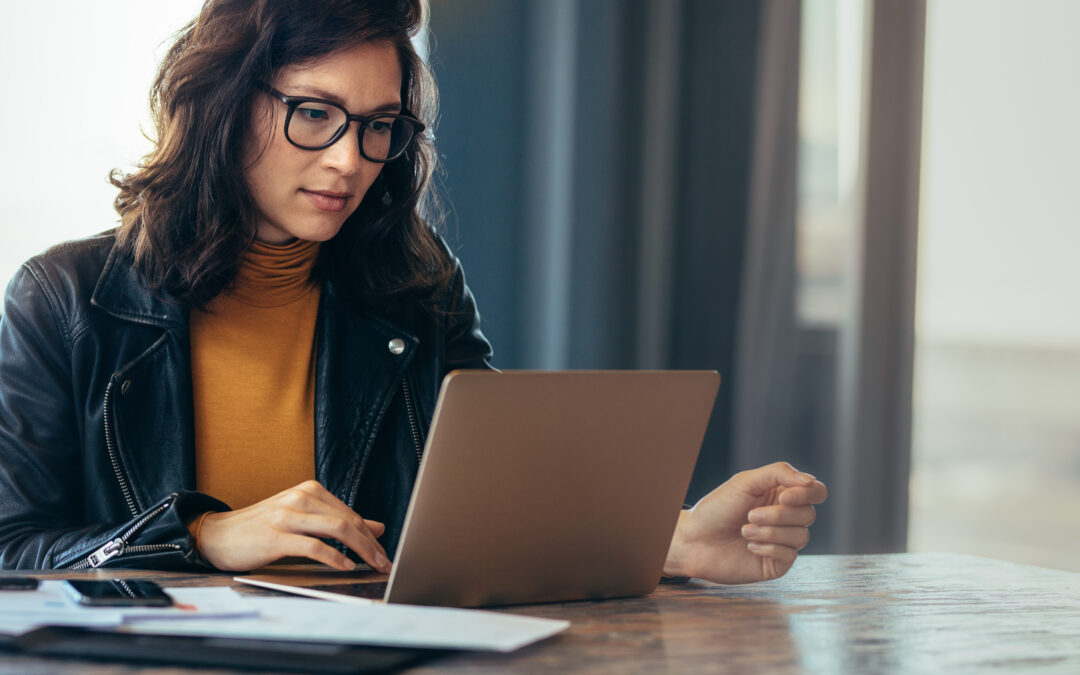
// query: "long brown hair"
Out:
[187,215]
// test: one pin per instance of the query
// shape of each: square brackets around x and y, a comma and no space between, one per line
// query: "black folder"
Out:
[276,655]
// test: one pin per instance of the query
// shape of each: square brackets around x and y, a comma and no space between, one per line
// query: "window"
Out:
[996,434]
[831,96]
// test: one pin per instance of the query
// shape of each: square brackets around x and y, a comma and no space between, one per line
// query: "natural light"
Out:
[76,77]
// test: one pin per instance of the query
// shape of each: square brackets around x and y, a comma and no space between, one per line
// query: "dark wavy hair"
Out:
[187,214]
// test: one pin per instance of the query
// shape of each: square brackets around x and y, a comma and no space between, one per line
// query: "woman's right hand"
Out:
[290,524]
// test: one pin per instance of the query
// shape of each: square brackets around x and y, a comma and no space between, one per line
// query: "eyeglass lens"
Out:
[314,125]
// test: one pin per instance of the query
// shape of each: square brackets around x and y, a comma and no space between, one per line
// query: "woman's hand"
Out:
[748,529]
[290,524]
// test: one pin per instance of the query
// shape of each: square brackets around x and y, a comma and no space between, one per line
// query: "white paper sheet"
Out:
[374,624]
[50,605]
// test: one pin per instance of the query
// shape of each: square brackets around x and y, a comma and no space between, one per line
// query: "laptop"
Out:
[550,486]
[541,486]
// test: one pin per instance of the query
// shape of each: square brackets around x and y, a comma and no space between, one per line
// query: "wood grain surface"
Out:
[902,613]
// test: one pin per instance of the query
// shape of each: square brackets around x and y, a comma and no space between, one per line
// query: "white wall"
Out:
[75,77]
[1000,229]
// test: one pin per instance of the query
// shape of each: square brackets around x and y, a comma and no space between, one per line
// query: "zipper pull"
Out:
[109,550]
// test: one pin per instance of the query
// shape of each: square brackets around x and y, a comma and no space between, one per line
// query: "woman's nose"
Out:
[344,155]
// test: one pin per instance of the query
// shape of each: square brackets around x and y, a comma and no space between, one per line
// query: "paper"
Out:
[222,612]
[21,611]
[209,602]
[374,624]
[49,605]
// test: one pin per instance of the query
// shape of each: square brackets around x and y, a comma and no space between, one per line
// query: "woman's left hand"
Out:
[748,529]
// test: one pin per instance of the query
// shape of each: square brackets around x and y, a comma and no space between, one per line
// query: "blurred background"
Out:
[860,212]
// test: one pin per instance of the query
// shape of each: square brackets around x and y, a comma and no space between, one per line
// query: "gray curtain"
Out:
[836,399]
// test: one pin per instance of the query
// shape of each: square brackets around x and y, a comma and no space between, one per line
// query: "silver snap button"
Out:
[125,386]
[397,345]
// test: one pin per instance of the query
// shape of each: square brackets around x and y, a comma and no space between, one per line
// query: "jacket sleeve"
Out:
[466,346]
[42,524]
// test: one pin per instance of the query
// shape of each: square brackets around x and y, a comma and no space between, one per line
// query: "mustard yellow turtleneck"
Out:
[253,377]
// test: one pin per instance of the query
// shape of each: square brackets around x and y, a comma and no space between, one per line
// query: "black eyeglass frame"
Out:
[293,102]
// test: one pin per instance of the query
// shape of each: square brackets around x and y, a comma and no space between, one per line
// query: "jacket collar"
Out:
[121,293]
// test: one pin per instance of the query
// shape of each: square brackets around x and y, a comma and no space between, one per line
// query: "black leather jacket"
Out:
[97,462]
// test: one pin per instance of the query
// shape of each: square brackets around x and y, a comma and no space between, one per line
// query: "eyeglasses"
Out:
[315,124]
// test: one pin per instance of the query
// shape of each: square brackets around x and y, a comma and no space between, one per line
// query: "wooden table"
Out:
[831,614]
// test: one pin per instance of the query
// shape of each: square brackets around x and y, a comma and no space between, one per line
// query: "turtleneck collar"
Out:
[275,275]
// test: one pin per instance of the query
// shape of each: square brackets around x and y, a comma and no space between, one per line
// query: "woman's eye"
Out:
[381,126]
[314,114]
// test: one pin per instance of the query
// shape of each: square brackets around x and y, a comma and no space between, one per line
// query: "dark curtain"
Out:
[596,161]
[622,178]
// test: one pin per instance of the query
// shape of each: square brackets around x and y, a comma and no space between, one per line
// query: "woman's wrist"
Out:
[195,526]
[675,565]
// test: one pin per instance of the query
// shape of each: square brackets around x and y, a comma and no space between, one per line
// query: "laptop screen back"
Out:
[550,486]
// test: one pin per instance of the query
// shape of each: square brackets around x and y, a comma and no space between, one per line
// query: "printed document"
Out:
[374,624]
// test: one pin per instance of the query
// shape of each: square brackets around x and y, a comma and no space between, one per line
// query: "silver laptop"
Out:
[550,486]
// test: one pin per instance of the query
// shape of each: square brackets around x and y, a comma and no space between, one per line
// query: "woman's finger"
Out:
[350,531]
[793,537]
[764,479]
[311,497]
[308,547]
[782,554]
[375,527]
[815,493]
[778,514]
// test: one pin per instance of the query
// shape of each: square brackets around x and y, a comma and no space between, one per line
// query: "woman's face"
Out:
[308,194]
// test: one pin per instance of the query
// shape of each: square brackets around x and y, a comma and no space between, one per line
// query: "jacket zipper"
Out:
[118,546]
[413,424]
[114,459]
[414,427]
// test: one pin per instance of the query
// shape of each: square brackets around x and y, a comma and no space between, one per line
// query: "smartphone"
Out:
[118,593]
[17,583]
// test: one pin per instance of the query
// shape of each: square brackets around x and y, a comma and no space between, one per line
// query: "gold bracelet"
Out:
[198,528]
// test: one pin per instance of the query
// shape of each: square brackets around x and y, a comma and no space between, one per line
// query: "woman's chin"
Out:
[276,234]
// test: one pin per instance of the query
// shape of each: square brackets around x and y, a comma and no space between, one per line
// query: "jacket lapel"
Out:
[358,371]
[361,359]
[147,401]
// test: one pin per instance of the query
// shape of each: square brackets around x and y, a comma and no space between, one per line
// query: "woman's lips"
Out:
[327,201]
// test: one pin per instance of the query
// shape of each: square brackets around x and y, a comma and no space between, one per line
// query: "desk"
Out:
[879,613]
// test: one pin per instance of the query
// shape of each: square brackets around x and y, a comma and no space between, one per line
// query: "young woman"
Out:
[244,369]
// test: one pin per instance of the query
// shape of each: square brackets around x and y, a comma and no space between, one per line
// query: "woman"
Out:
[251,359]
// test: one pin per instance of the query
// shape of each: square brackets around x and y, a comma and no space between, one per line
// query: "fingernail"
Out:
[750,531]
[808,477]
[382,562]
[755,516]
[754,547]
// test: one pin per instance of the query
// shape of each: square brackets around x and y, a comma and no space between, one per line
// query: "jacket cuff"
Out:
[157,538]
[170,527]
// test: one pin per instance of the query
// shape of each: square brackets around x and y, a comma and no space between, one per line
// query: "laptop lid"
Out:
[550,486]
